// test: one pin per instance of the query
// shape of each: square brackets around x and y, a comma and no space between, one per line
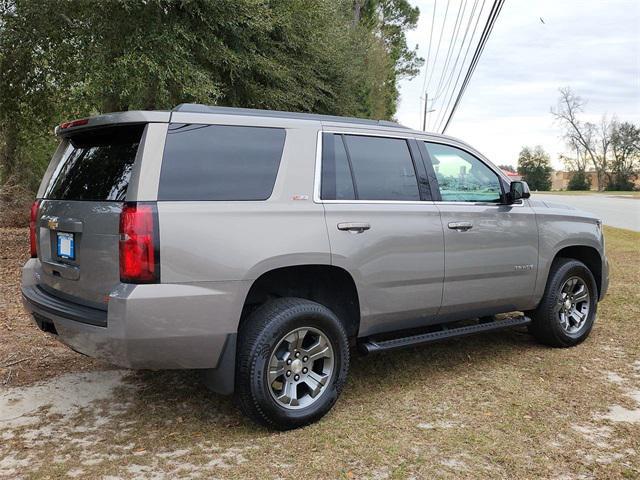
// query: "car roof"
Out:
[185,111]
[254,112]
[326,120]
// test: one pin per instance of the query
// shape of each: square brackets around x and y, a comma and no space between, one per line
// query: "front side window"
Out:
[220,162]
[462,177]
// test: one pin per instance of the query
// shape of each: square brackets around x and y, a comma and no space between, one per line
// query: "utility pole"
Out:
[424,115]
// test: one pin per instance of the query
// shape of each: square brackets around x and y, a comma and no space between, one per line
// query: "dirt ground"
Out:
[490,406]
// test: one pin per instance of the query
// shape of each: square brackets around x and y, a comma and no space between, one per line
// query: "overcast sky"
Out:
[591,46]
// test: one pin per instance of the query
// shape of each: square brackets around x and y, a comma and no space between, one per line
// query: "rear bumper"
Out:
[44,303]
[160,326]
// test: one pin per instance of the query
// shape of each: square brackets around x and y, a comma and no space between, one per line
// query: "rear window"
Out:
[96,165]
[220,162]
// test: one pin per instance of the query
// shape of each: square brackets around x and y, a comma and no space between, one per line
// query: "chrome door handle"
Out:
[354,227]
[460,226]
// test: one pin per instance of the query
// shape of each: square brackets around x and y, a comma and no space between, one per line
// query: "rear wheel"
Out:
[567,312]
[293,358]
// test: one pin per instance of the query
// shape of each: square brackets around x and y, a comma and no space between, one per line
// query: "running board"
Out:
[372,346]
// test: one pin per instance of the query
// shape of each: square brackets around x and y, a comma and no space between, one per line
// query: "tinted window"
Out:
[337,183]
[220,162]
[382,168]
[96,165]
[462,177]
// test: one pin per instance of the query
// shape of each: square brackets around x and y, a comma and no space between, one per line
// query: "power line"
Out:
[464,59]
[426,64]
[462,43]
[447,85]
[493,15]
[454,36]
[435,58]
[425,85]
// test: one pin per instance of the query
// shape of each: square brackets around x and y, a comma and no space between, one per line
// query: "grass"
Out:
[490,406]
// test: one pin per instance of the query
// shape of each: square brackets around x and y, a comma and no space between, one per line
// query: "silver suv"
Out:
[260,246]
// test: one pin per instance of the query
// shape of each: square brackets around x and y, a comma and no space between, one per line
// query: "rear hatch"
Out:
[78,219]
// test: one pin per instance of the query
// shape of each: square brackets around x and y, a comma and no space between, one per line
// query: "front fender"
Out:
[559,228]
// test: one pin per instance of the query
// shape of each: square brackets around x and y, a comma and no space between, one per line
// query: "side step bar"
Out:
[372,346]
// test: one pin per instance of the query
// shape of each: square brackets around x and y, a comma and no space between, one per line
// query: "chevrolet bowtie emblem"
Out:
[53,224]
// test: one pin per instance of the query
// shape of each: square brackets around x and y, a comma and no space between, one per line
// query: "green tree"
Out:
[62,59]
[577,166]
[625,162]
[381,26]
[579,181]
[535,167]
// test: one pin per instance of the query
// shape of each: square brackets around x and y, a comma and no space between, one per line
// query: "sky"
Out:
[591,46]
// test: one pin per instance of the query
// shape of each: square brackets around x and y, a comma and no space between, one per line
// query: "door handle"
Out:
[354,227]
[460,226]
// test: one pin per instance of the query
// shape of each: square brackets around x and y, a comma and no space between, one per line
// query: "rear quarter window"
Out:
[96,165]
[220,162]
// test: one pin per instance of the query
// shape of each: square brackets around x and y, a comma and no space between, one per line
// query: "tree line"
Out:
[610,148]
[64,59]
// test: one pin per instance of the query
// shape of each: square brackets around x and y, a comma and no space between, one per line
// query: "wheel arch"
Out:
[329,285]
[588,255]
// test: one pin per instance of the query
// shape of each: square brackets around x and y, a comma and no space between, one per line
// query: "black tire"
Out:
[546,325]
[260,334]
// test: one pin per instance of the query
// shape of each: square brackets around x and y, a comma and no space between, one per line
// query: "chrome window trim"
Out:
[318,170]
[318,173]
[520,203]
[381,202]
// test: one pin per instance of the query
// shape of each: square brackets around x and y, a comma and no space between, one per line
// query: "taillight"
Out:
[33,218]
[74,123]
[139,243]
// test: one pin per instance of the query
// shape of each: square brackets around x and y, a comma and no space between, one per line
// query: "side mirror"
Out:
[518,191]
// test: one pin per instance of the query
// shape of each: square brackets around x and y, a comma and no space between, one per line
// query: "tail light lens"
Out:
[139,244]
[33,218]
[74,123]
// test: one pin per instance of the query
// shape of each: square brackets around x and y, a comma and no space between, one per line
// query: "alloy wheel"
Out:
[300,368]
[573,304]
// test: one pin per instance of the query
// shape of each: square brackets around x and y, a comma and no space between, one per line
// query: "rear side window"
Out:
[367,168]
[337,182]
[96,165]
[382,168]
[220,162]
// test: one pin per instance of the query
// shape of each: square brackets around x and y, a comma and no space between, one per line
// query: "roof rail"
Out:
[199,108]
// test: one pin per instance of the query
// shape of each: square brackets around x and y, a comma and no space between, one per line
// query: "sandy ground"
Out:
[27,354]
[491,406]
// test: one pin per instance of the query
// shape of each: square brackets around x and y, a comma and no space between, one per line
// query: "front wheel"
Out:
[293,358]
[567,311]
